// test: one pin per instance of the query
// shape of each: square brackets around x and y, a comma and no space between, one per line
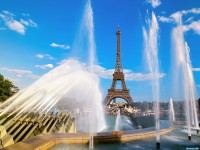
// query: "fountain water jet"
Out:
[89,26]
[65,83]
[171,111]
[118,120]
[182,66]
[191,88]
[151,53]
[85,39]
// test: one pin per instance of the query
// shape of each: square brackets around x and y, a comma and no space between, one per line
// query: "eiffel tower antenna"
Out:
[118,66]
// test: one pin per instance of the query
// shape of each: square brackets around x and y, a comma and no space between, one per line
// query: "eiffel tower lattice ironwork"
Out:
[118,75]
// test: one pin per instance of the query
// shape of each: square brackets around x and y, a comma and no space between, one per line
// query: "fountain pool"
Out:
[177,139]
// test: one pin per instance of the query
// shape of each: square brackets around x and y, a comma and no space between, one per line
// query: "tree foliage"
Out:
[7,89]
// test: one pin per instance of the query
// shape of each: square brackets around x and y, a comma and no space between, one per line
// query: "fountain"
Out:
[91,130]
[89,26]
[84,42]
[72,84]
[171,111]
[191,90]
[118,121]
[65,84]
[182,66]
[151,53]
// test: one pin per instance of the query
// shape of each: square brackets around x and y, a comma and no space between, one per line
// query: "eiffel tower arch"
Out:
[118,76]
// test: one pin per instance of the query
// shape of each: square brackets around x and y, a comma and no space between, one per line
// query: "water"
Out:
[91,131]
[177,139]
[66,86]
[151,53]
[190,87]
[118,120]
[89,26]
[183,74]
[171,110]
[71,85]
[84,42]
[124,123]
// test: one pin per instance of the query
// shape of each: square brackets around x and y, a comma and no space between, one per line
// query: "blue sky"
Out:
[36,35]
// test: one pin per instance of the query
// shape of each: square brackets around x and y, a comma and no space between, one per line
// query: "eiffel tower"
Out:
[118,75]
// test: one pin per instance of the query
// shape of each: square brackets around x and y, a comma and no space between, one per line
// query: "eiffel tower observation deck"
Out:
[118,76]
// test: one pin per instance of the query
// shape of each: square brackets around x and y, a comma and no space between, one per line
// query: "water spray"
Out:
[151,53]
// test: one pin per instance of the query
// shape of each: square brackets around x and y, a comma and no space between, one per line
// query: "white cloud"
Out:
[143,77]
[20,78]
[41,56]
[164,19]
[154,3]
[32,23]
[8,13]
[103,72]
[196,69]
[29,22]
[195,26]
[178,15]
[26,23]
[20,73]
[16,71]
[49,56]
[192,11]
[129,75]
[60,46]
[189,19]
[47,66]
[18,25]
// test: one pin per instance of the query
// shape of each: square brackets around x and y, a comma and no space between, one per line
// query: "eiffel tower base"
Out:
[112,94]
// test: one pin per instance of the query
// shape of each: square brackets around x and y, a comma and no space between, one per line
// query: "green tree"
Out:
[7,89]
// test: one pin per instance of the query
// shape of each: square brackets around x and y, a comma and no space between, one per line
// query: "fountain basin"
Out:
[48,140]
